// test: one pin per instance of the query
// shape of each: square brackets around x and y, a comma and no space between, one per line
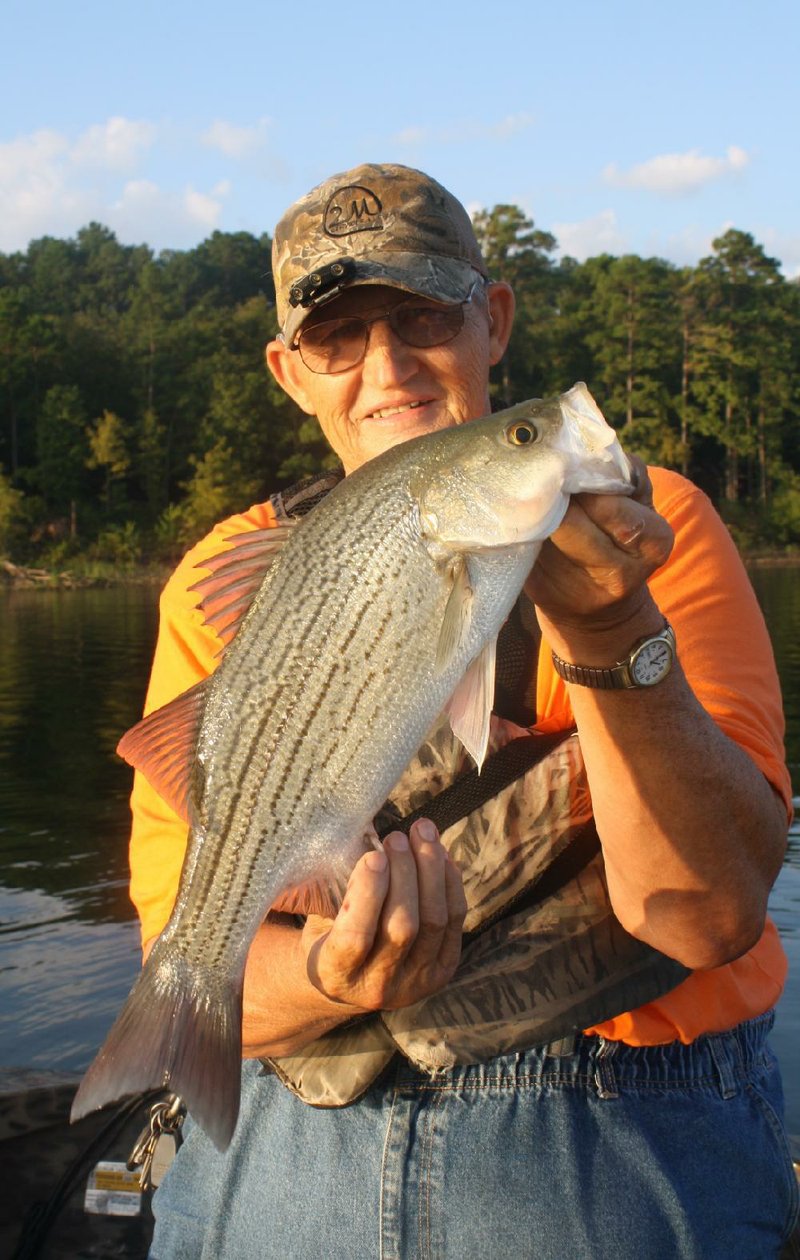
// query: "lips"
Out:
[384,413]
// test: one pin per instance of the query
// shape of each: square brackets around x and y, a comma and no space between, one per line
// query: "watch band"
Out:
[621,676]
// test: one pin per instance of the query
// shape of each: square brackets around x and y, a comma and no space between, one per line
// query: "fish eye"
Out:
[521,433]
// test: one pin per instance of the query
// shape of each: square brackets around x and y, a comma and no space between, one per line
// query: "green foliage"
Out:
[108,451]
[61,447]
[220,485]
[784,513]
[136,409]
[11,513]
[167,542]
[120,544]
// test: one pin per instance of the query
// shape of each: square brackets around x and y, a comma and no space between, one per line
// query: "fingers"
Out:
[621,524]
[397,937]
[431,957]
[338,949]
[442,902]
[400,916]
[598,561]
[642,485]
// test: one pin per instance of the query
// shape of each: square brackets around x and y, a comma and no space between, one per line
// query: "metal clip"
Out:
[165,1120]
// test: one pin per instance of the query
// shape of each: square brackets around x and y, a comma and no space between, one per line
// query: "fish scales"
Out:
[317,708]
[360,633]
[302,714]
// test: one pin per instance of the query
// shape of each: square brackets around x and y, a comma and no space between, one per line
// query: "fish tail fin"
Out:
[179,1028]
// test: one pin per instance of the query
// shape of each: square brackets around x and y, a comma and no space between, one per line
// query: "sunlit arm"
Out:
[693,835]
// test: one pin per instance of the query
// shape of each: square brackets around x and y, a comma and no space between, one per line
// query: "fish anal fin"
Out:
[470,706]
[457,613]
[162,746]
[323,892]
[313,896]
[235,576]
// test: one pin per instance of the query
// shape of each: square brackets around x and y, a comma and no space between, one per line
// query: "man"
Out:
[655,1133]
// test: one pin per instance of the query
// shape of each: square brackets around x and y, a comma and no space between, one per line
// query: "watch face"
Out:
[651,663]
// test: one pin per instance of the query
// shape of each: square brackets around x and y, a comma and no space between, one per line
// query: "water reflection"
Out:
[72,677]
[63,980]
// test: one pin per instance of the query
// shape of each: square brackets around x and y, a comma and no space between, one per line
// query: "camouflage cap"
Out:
[372,225]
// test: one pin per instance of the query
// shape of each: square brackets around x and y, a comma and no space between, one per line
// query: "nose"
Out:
[388,360]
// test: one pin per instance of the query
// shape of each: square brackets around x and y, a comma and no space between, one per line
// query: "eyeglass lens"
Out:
[334,345]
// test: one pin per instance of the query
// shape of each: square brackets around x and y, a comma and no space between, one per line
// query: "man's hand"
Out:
[591,575]
[397,936]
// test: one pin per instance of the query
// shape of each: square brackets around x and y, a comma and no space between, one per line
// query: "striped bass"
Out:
[346,635]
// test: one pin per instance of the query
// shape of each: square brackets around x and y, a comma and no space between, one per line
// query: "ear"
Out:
[288,369]
[500,299]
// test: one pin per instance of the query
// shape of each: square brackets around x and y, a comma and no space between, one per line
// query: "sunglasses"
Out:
[336,345]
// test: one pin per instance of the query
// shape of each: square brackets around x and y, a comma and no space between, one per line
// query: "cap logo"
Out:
[353,208]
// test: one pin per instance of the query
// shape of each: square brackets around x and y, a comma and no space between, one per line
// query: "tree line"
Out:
[136,409]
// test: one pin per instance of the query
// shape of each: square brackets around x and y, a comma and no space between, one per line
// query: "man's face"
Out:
[397,391]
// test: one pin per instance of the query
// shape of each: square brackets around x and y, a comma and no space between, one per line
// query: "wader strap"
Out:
[474,788]
[299,499]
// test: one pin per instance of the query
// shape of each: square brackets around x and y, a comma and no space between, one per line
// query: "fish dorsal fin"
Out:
[236,575]
[457,613]
[470,707]
[162,746]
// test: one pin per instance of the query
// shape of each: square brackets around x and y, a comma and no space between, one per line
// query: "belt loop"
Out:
[720,1046]
[563,1048]
[604,1077]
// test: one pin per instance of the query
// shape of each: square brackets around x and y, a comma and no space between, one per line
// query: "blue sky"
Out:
[617,126]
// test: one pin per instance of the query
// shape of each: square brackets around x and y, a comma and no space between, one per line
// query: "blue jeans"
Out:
[590,1150]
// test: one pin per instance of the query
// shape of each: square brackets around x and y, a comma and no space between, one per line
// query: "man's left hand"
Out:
[591,574]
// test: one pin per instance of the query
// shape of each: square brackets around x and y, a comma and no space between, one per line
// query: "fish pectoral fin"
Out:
[236,575]
[470,706]
[457,614]
[162,746]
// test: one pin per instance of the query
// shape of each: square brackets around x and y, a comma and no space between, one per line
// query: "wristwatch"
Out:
[648,663]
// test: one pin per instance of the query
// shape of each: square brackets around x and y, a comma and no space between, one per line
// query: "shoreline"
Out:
[31,577]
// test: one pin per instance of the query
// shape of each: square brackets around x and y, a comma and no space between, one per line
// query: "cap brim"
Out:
[442,279]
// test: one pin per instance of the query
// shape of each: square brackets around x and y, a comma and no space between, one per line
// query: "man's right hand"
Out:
[397,936]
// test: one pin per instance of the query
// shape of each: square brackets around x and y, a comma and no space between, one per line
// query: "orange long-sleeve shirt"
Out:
[726,655]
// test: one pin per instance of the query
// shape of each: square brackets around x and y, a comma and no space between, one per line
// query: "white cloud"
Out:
[785,246]
[464,133]
[676,174]
[146,212]
[202,208]
[52,184]
[43,177]
[115,145]
[588,237]
[236,142]
[30,155]
[34,189]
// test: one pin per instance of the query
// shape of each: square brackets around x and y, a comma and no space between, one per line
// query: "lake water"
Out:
[72,674]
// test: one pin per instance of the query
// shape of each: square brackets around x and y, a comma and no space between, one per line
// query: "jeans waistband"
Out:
[722,1060]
